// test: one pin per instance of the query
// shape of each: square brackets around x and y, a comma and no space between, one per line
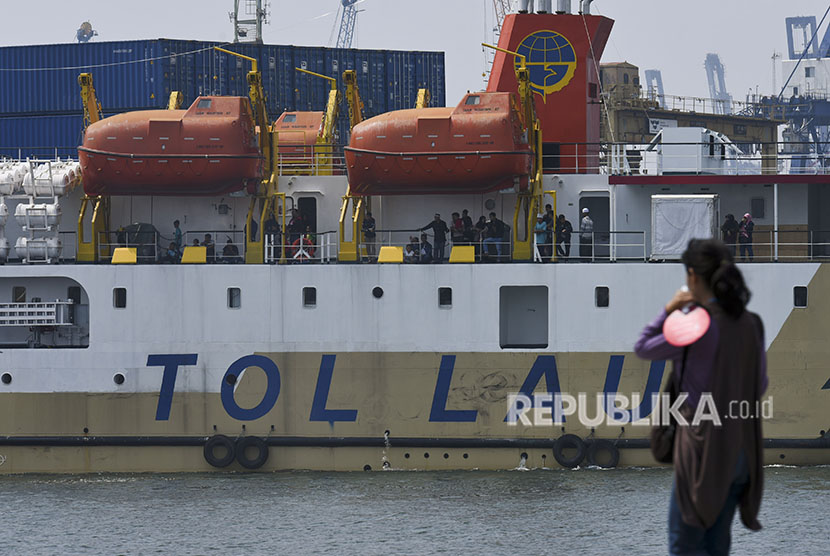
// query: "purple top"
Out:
[699,361]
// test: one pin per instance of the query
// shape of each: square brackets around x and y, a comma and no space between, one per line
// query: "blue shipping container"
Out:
[41,136]
[134,75]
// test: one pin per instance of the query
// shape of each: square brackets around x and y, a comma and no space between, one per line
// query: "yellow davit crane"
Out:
[529,203]
[324,150]
[424,96]
[267,192]
[88,249]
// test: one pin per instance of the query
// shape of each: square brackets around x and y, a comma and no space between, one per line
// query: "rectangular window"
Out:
[445,297]
[309,297]
[472,100]
[204,103]
[593,90]
[119,298]
[290,118]
[756,207]
[234,298]
[809,72]
[18,294]
[523,317]
[800,296]
[601,296]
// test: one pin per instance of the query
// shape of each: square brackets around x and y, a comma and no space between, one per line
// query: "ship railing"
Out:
[315,160]
[790,245]
[37,313]
[689,158]
[145,242]
[228,245]
[20,154]
[318,247]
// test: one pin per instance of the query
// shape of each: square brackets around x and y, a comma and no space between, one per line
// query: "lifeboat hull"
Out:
[209,149]
[474,148]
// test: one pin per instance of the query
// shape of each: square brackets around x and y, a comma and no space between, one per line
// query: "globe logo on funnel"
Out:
[551,61]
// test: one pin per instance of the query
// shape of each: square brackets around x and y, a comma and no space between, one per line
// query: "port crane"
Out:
[348,21]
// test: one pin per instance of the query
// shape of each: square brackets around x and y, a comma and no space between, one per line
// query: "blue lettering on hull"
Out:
[543,367]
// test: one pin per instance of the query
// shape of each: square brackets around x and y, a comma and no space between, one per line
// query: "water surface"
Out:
[585,511]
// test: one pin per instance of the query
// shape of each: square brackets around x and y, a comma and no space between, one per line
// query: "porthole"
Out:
[377,291]
[6,378]
[231,379]
[118,378]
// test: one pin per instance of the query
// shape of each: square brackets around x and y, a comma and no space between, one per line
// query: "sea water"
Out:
[583,511]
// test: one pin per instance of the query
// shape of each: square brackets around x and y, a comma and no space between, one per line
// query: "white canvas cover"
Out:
[675,219]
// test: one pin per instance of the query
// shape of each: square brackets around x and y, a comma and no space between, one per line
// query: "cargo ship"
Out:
[281,323]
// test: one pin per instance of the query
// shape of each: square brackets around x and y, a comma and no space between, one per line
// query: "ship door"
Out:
[308,208]
[599,207]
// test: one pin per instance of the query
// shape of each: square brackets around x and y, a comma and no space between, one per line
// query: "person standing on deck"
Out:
[745,236]
[586,235]
[717,463]
[439,230]
[563,236]
[177,236]
[730,233]
[541,233]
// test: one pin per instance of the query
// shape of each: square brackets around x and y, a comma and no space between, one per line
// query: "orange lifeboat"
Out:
[476,147]
[209,149]
[297,134]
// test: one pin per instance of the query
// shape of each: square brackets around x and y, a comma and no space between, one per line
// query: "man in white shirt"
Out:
[586,235]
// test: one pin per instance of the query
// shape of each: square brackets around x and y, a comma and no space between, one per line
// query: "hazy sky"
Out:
[669,35]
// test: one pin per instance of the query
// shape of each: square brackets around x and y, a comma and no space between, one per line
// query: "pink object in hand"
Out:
[682,329]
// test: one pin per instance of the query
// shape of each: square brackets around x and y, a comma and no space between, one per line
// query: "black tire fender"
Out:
[600,446]
[246,442]
[569,441]
[214,442]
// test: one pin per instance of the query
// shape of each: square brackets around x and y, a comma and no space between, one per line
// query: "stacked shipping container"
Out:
[40,105]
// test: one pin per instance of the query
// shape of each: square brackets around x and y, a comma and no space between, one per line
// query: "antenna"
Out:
[247,17]
[775,57]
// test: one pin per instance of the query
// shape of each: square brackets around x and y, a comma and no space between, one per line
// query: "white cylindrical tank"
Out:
[11,176]
[38,249]
[4,214]
[563,6]
[544,6]
[525,6]
[62,174]
[38,216]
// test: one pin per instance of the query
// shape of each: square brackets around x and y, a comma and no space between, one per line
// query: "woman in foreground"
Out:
[717,465]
